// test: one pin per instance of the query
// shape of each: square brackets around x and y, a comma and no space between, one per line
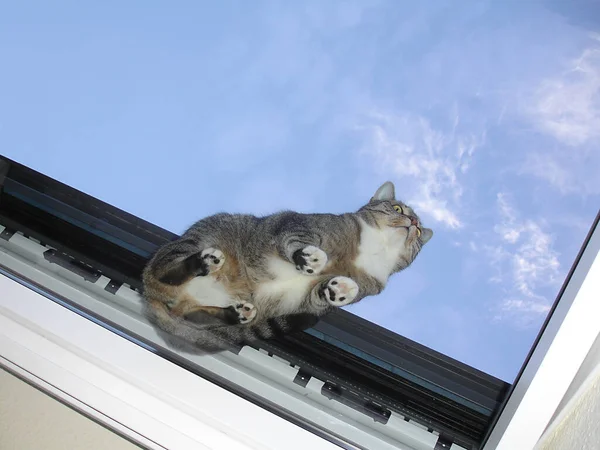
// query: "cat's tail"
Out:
[213,337]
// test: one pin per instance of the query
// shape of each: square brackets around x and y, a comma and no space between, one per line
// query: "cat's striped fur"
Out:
[233,278]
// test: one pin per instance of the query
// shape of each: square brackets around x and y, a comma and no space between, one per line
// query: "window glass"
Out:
[486,116]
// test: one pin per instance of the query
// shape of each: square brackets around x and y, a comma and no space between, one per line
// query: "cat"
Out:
[235,278]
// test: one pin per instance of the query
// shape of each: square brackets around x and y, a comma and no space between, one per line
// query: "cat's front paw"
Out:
[246,312]
[213,258]
[339,291]
[310,260]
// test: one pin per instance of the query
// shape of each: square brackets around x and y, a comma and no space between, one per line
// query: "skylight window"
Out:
[485,118]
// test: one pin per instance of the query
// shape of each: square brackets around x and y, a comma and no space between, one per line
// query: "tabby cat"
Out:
[233,278]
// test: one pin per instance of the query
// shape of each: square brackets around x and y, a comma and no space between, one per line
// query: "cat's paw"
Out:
[246,312]
[339,291]
[310,260]
[213,258]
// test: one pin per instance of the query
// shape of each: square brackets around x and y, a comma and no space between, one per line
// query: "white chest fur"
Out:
[379,250]
[288,285]
[287,289]
[208,292]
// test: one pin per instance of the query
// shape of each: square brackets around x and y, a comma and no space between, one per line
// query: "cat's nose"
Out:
[414,221]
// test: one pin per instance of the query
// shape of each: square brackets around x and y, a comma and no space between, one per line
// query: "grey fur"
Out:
[251,244]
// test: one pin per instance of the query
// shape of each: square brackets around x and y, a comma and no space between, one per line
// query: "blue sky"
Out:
[486,115]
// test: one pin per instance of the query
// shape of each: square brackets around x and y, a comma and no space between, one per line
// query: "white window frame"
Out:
[566,341]
[160,405]
[126,387]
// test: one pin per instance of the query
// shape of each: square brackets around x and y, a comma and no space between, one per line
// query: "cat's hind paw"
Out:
[246,312]
[310,260]
[339,291]
[213,258]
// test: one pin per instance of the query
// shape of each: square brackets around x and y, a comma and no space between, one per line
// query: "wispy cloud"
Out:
[525,262]
[566,107]
[428,163]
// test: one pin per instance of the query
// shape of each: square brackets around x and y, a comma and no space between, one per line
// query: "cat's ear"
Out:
[426,234]
[385,192]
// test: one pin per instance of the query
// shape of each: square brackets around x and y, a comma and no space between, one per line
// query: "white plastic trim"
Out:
[568,338]
[269,377]
[147,395]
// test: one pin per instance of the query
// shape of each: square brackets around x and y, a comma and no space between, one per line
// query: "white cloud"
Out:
[427,164]
[526,306]
[554,169]
[566,107]
[525,262]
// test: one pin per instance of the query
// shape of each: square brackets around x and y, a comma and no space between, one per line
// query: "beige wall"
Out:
[575,423]
[31,420]
[578,430]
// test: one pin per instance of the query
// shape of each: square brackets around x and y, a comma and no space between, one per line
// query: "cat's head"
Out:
[386,211]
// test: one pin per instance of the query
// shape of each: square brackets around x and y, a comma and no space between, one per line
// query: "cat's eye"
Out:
[398,208]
